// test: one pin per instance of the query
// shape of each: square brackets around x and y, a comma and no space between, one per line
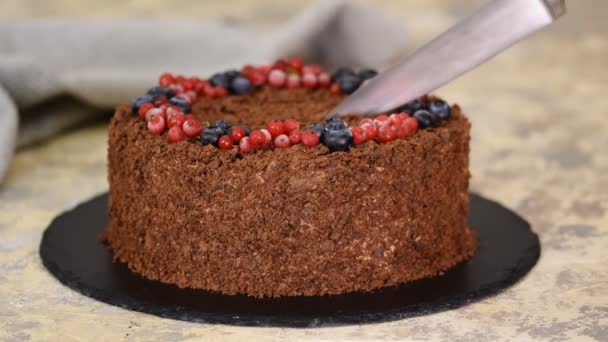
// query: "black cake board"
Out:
[72,251]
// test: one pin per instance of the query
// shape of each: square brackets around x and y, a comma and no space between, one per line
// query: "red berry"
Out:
[295,136]
[176,120]
[370,131]
[282,141]
[188,85]
[220,91]
[296,62]
[334,88]
[192,128]
[180,79]
[411,124]
[225,143]
[237,133]
[280,64]
[144,108]
[359,136]
[247,69]
[165,79]
[175,134]
[191,95]
[381,120]
[312,68]
[189,117]
[291,124]
[154,112]
[257,78]
[397,118]
[209,91]
[366,121]
[177,89]
[161,101]
[276,128]
[310,138]
[245,145]
[267,135]
[264,68]
[156,125]
[386,133]
[277,78]
[324,80]
[293,81]
[257,139]
[309,80]
[400,129]
[172,110]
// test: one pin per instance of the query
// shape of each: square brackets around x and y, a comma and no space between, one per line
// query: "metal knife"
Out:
[492,29]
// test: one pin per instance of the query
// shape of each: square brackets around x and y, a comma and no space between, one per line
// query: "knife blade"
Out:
[471,42]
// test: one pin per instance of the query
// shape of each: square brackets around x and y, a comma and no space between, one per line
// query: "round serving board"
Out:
[72,251]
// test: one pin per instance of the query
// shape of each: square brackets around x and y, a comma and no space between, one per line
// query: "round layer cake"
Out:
[306,220]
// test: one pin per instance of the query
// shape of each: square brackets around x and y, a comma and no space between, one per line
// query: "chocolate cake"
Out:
[206,206]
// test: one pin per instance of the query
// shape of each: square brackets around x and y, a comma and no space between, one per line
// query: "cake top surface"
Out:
[273,106]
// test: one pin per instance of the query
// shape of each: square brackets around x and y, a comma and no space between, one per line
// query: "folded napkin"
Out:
[55,74]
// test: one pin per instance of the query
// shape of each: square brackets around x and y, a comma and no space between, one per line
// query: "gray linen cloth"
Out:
[55,74]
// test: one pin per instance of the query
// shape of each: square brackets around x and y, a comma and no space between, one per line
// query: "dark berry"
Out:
[159,91]
[317,128]
[240,85]
[366,74]
[338,74]
[335,124]
[219,80]
[140,101]
[232,74]
[440,108]
[411,107]
[182,103]
[426,119]
[223,125]
[349,83]
[337,140]
[210,136]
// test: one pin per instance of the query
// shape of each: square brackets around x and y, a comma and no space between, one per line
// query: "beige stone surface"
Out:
[540,147]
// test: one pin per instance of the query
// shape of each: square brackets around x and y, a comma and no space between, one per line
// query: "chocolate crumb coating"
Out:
[287,222]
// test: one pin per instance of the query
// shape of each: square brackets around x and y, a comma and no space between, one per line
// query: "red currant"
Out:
[381,120]
[295,136]
[324,80]
[296,63]
[312,68]
[282,141]
[245,145]
[370,131]
[257,139]
[276,128]
[386,133]
[277,78]
[175,134]
[192,128]
[310,138]
[267,135]
[154,112]
[176,120]
[334,88]
[220,91]
[237,133]
[144,108]
[257,78]
[225,143]
[309,80]
[411,124]
[291,124]
[166,79]
[293,81]
[359,136]
[156,125]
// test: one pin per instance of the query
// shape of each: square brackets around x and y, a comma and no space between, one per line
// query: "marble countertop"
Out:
[540,147]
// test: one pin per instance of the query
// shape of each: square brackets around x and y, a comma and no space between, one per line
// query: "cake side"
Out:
[286,222]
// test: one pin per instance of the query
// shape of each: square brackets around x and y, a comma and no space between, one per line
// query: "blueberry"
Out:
[349,83]
[219,79]
[427,119]
[441,108]
[232,74]
[139,101]
[159,91]
[240,85]
[335,124]
[337,140]
[342,72]
[412,106]
[317,128]
[210,136]
[366,74]
[181,103]
[223,125]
